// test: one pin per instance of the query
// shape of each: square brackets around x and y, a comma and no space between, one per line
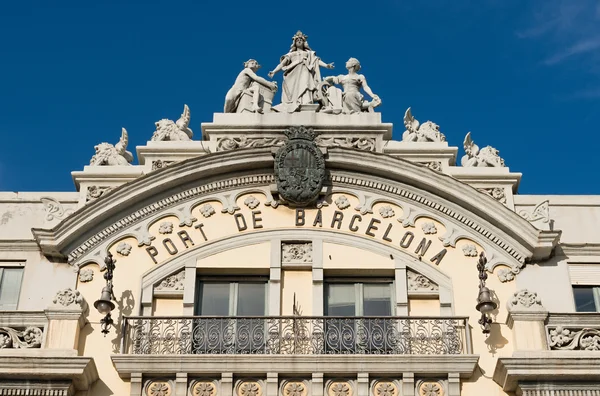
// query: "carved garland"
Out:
[30,337]
[267,179]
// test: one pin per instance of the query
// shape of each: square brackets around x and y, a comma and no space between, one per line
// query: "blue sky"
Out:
[522,76]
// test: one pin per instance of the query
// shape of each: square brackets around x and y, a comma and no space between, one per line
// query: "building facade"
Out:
[297,250]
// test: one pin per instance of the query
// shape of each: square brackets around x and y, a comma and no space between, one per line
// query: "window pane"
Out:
[341,300]
[251,299]
[10,287]
[584,299]
[214,299]
[377,299]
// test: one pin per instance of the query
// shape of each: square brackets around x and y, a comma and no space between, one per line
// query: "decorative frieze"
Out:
[419,283]
[54,209]
[359,143]
[497,193]
[430,388]
[563,338]
[249,388]
[95,192]
[203,388]
[296,252]
[159,164]
[30,337]
[172,283]
[234,143]
[294,388]
[385,388]
[540,212]
[158,388]
[339,388]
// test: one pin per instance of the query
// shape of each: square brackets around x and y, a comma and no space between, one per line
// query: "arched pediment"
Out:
[413,192]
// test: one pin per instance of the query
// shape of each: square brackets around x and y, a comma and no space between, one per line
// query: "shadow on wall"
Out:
[99,388]
[495,340]
[125,304]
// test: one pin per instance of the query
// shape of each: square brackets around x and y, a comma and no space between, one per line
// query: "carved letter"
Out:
[299,217]
[153,253]
[437,259]
[199,226]
[185,238]
[387,231]
[318,219]
[372,227]
[423,246]
[170,246]
[256,220]
[404,243]
[337,218]
[352,227]
[242,226]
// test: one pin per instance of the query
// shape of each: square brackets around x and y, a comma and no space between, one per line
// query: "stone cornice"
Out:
[44,366]
[546,366]
[463,365]
[19,245]
[578,249]
[127,204]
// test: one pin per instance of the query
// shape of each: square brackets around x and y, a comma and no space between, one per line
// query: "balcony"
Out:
[296,335]
[573,331]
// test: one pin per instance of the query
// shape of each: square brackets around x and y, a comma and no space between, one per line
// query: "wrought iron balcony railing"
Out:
[296,335]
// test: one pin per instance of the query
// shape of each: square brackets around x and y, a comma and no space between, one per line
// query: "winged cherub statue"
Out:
[426,132]
[107,154]
[167,130]
[487,156]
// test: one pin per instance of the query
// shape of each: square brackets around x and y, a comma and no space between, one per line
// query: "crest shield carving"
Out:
[299,167]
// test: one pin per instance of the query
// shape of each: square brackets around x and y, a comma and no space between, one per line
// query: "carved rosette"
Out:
[386,211]
[158,388]
[166,227]
[207,210]
[294,388]
[429,228]
[86,275]
[342,202]
[251,202]
[419,283]
[524,299]
[30,337]
[469,250]
[203,388]
[339,388]
[430,388]
[124,249]
[249,388]
[385,388]
[172,283]
[296,252]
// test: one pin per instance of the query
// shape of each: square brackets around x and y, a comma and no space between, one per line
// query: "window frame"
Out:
[234,282]
[4,265]
[359,293]
[595,294]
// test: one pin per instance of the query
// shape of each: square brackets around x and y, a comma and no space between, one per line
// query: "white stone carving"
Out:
[207,210]
[385,388]
[124,249]
[234,143]
[295,389]
[470,250]
[250,388]
[173,282]
[427,132]
[251,202]
[419,283]
[486,157]
[505,275]
[430,388]
[54,209]
[349,101]
[342,202]
[339,388]
[159,164]
[301,77]
[248,83]
[525,299]
[159,388]
[495,192]
[296,252]
[540,212]
[95,192]
[429,228]
[360,143]
[204,388]
[187,220]
[86,275]
[167,130]
[386,211]
[107,154]
[434,165]
[68,297]
[166,227]
[11,338]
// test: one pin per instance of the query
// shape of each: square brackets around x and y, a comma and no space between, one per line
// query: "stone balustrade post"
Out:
[526,318]
[66,317]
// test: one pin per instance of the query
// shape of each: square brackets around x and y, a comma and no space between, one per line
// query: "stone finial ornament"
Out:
[109,155]
[167,130]
[474,157]
[249,91]
[350,100]
[416,132]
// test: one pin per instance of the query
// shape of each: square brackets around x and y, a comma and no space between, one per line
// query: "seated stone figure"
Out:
[249,91]
[350,100]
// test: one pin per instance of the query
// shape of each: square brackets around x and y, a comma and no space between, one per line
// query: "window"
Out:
[10,286]
[359,299]
[587,298]
[217,298]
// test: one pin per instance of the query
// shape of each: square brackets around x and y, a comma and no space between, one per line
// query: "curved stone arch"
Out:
[187,260]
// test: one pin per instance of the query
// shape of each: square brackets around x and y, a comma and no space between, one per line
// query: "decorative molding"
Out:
[469,250]
[540,212]
[174,282]
[386,211]
[342,202]
[524,299]
[497,193]
[296,252]
[249,388]
[569,338]
[54,209]
[251,202]
[385,388]
[433,165]
[360,143]
[339,388]
[294,388]
[234,143]
[203,388]
[429,228]
[166,227]
[430,388]
[505,275]
[95,192]
[68,297]
[124,249]
[158,388]
[159,164]
[86,275]
[419,283]
[30,337]
[207,210]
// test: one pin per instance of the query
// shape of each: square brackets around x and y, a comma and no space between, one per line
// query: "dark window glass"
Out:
[251,299]
[214,299]
[377,299]
[341,300]
[584,299]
